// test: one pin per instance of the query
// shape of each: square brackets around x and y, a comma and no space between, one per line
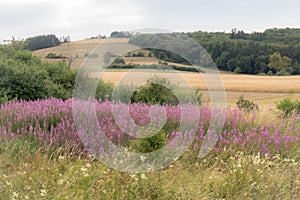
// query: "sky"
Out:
[81,19]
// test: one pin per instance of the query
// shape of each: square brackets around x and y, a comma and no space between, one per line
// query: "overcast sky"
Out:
[85,18]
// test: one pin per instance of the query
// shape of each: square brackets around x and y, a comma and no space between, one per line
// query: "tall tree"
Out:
[279,63]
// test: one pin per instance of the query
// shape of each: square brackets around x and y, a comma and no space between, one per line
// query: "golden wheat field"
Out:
[265,90]
[74,50]
[262,89]
[78,49]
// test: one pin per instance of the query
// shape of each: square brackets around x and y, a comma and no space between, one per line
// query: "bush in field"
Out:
[22,82]
[118,61]
[146,145]
[246,105]
[26,77]
[103,90]
[287,107]
[62,80]
[54,56]
[155,92]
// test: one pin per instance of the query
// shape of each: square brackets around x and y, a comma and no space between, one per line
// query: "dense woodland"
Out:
[41,42]
[236,51]
[26,77]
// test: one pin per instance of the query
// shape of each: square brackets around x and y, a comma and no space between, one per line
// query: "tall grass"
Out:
[42,156]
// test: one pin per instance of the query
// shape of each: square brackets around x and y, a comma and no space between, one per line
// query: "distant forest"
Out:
[274,51]
[41,42]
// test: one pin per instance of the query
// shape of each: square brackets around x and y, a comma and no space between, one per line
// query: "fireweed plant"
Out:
[50,123]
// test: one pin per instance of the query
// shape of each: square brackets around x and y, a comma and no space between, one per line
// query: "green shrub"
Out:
[23,82]
[139,54]
[123,93]
[149,144]
[54,56]
[118,61]
[91,55]
[283,72]
[287,107]
[270,73]
[157,91]
[26,77]
[103,90]
[246,105]
[4,99]
[61,80]
[238,70]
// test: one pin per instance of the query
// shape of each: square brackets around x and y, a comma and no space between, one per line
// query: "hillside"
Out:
[74,53]
[237,51]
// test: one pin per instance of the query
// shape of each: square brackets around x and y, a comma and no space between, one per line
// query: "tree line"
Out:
[41,42]
[26,77]
[237,51]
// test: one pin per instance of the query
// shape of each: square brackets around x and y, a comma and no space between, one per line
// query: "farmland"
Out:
[43,154]
[266,90]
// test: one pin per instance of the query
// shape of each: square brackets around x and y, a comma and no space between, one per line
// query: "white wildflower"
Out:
[83,169]
[143,176]
[43,193]
[143,158]
[60,181]
[88,165]
[15,195]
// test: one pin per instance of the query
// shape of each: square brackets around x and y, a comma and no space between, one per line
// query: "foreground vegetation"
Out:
[28,172]
[42,157]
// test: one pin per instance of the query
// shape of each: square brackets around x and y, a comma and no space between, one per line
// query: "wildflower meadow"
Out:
[43,156]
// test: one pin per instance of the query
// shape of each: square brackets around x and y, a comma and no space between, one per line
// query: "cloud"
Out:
[84,18]
[65,17]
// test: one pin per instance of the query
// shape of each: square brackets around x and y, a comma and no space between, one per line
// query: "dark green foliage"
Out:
[246,105]
[104,90]
[22,82]
[139,54]
[280,63]
[287,107]
[118,61]
[157,91]
[62,80]
[248,53]
[121,34]
[26,77]
[54,56]
[149,144]
[126,66]
[42,41]
[4,99]
[175,42]
[154,66]
[283,72]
